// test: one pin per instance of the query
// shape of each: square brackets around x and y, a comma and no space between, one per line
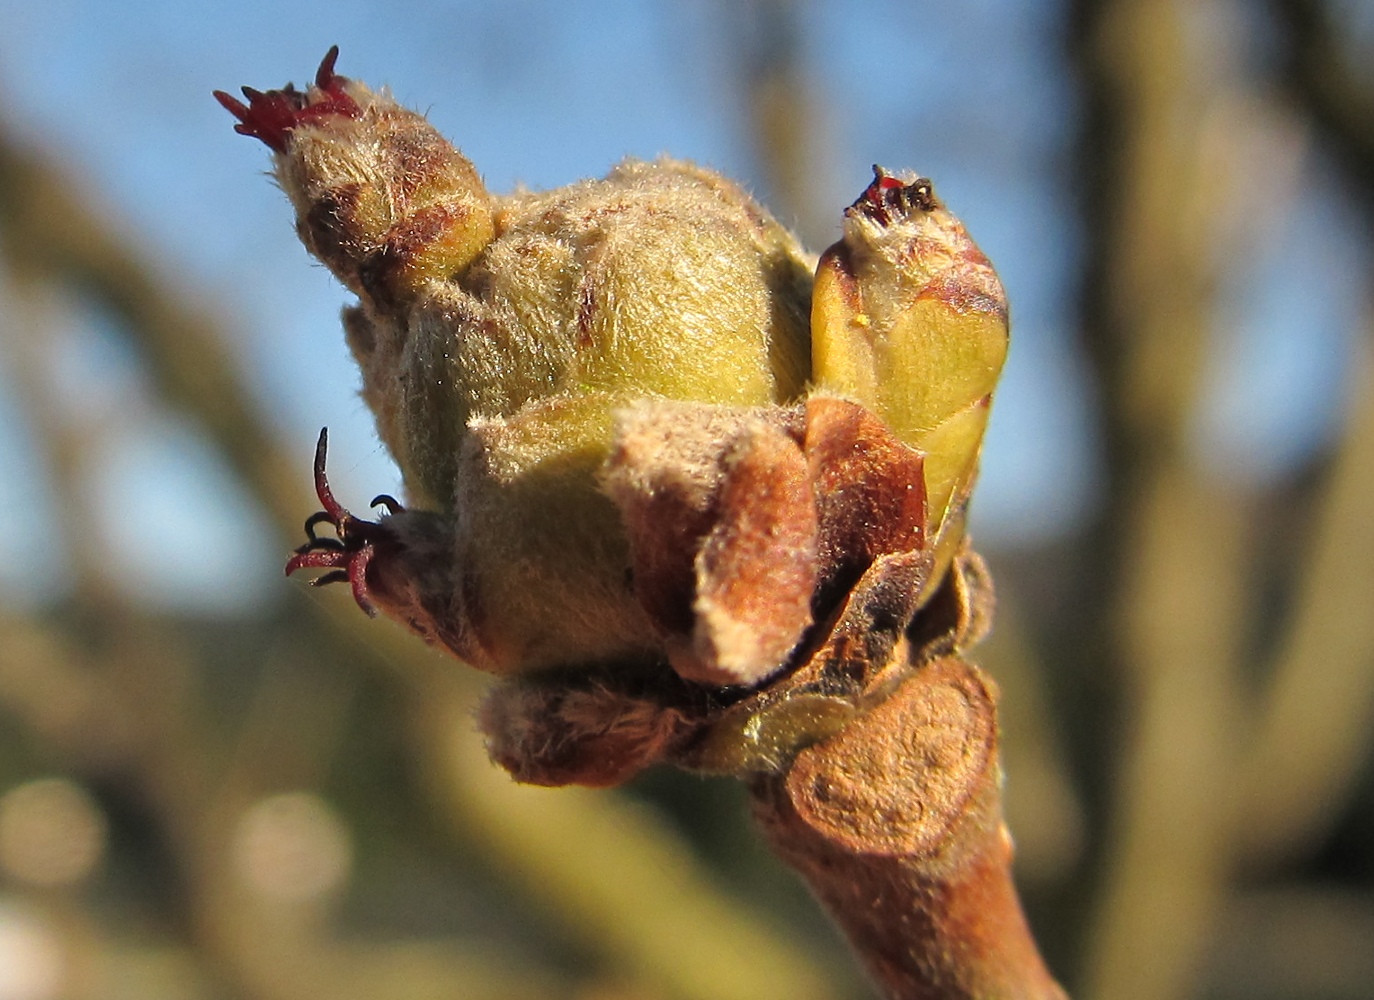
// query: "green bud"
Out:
[633,440]
[910,320]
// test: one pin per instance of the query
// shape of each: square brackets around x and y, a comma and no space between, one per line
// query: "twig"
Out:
[896,824]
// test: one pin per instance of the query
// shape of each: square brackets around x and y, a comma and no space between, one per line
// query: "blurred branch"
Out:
[1295,942]
[1179,602]
[1169,858]
[53,231]
[1313,737]
[131,718]
[26,335]
[418,970]
[1160,218]
[1319,73]
[625,885]
[1042,805]
[782,113]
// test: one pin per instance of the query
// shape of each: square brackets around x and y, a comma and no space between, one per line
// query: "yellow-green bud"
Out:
[910,320]
[632,437]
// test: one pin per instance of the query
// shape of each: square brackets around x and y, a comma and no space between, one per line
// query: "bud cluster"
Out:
[645,437]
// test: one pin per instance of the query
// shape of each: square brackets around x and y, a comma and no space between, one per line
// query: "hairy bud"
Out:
[911,321]
[645,464]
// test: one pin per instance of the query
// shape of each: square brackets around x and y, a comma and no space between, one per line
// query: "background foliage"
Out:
[217,784]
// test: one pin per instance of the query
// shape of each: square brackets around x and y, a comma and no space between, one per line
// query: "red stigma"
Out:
[272,116]
[347,555]
[887,197]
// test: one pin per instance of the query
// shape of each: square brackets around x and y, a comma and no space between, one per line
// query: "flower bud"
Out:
[381,198]
[641,458]
[910,320]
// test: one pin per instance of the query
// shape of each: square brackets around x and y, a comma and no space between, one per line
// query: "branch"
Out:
[1173,619]
[1312,736]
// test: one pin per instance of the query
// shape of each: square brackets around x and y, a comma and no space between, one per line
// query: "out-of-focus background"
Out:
[218,784]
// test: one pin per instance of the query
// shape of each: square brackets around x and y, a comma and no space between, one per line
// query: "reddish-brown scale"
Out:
[405,242]
[327,231]
[665,532]
[586,312]
[968,284]
[870,489]
[840,260]
[922,247]
[757,568]
[593,280]
[967,289]
[415,159]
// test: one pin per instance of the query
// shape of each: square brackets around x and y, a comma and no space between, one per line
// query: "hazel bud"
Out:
[910,320]
[499,336]
[381,198]
[632,438]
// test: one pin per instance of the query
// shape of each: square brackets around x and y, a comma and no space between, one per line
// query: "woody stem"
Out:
[896,824]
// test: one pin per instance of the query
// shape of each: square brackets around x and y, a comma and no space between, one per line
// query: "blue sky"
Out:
[972,94]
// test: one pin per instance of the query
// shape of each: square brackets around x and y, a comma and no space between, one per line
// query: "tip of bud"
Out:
[888,199]
[272,116]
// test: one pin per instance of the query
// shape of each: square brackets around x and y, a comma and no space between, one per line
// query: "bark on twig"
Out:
[876,776]
[896,823]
